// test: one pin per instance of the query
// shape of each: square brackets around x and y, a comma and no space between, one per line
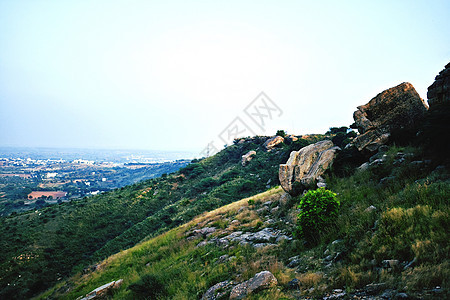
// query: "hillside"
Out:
[42,247]
[358,215]
[390,241]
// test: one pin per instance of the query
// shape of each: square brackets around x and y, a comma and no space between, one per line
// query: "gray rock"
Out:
[239,291]
[283,238]
[341,295]
[370,209]
[264,235]
[377,162]
[262,210]
[337,242]
[294,262]
[222,259]
[390,263]
[274,210]
[401,296]
[329,258]
[260,281]
[293,284]
[102,291]
[218,290]
[364,166]
[202,244]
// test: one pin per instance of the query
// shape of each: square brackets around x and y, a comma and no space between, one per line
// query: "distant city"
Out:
[31,178]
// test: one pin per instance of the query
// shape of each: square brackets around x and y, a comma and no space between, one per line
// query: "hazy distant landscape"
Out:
[31,178]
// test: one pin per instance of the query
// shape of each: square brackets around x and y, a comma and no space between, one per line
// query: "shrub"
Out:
[318,211]
[281,133]
[148,287]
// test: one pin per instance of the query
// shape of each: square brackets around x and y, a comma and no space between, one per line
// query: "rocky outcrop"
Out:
[265,237]
[399,107]
[304,166]
[439,91]
[246,158]
[273,142]
[262,280]
[102,291]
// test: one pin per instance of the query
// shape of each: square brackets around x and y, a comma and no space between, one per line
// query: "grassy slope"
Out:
[39,248]
[411,221]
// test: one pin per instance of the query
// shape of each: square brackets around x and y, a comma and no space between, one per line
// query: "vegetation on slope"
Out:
[44,246]
[390,233]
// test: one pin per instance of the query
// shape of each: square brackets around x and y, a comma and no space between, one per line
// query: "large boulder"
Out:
[273,142]
[396,108]
[304,166]
[439,91]
[246,158]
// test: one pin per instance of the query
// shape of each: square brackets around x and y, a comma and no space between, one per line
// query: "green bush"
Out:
[148,287]
[318,211]
[281,133]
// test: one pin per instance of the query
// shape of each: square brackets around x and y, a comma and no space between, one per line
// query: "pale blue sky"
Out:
[171,75]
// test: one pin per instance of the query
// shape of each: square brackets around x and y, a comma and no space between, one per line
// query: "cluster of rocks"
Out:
[439,91]
[263,238]
[262,280]
[380,291]
[304,167]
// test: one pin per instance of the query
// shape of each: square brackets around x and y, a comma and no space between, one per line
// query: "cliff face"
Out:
[439,91]
[399,107]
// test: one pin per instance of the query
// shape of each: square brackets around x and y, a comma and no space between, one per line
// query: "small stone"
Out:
[202,244]
[293,284]
[293,263]
[274,210]
[329,258]
[401,296]
[364,166]
[370,209]
[390,263]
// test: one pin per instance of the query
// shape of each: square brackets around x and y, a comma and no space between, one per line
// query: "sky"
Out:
[182,75]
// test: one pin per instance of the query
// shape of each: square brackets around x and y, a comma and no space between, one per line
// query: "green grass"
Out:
[410,222]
